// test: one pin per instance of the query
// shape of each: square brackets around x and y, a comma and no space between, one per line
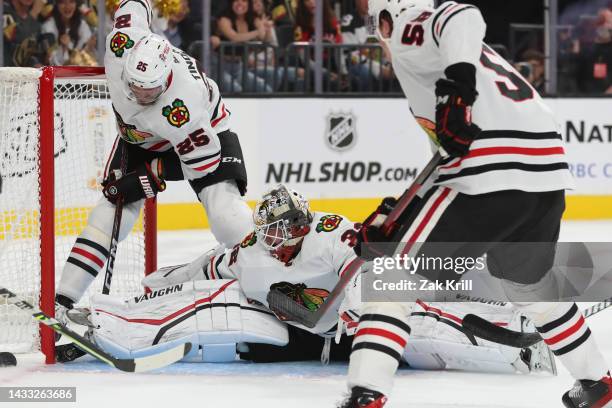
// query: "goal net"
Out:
[56,129]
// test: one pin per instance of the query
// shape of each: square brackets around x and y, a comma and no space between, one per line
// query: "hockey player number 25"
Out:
[522,92]
[198,138]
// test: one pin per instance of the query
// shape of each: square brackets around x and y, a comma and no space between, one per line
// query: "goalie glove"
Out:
[371,231]
[454,99]
[144,182]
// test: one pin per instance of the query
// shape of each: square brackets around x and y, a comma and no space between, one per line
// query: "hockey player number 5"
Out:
[413,34]
[522,92]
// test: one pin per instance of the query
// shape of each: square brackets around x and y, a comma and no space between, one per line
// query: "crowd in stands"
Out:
[267,45]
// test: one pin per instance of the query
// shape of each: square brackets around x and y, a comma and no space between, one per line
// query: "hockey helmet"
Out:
[148,69]
[282,218]
[392,9]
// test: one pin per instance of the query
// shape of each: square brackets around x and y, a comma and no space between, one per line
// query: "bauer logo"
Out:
[341,132]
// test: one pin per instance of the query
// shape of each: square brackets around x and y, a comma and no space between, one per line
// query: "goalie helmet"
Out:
[282,218]
[148,69]
[394,8]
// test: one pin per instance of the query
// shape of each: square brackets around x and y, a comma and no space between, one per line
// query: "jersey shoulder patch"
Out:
[120,42]
[177,113]
[249,240]
[328,223]
[443,15]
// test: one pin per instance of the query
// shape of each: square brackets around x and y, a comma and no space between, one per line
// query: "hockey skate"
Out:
[364,398]
[65,353]
[537,358]
[590,394]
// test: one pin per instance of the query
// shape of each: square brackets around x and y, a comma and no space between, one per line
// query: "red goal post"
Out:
[56,122]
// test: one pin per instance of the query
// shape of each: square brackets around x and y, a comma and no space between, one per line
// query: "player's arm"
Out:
[458,31]
[133,14]
[205,267]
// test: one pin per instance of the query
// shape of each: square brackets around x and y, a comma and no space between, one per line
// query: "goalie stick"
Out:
[131,365]
[290,310]
[486,330]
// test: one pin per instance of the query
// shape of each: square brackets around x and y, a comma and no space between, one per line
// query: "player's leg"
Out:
[221,194]
[383,332]
[90,251]
[562,326]
[472,223]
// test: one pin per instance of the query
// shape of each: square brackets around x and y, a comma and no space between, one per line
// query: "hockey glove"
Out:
[371,231]
[144,182]
[454,127]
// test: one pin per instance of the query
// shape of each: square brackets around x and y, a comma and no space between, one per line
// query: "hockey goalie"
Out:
[219,303]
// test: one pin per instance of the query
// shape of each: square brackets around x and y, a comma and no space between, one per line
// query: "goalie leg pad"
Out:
[201,312]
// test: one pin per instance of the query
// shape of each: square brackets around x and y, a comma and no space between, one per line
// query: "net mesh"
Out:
[84,133]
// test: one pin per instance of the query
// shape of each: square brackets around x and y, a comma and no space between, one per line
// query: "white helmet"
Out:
[148,69]
[282,218]
[395,8]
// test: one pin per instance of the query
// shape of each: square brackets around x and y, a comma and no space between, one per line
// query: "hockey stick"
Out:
[131,365]
[112,250]
[288,309]
[486,330]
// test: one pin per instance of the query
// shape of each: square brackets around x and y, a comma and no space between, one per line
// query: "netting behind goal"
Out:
[82,133]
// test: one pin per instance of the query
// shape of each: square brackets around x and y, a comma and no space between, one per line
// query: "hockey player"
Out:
[173,125]
[503,181]
[217,301]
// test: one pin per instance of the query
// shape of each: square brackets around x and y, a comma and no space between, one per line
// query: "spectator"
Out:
[22,32]
[283,12]
[364,65]
[602,54]
[304,31]
[239,25]
[72,36]
[569,48]
[265,62]
[174,31]
[304,22]
[535,72]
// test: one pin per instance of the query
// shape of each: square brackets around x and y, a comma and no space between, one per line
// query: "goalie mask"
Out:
[148,69]
[390,11]
[282,219]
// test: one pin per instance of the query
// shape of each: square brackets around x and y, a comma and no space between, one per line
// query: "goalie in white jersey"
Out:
[219,302]
[503,181]
[173,125]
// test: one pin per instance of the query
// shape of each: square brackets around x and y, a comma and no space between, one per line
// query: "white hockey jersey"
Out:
[187,117]
[325,255]
[520,146]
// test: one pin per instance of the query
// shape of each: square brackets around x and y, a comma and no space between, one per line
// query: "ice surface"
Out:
[294,385]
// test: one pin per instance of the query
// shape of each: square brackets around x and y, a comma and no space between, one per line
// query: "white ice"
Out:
[292,385]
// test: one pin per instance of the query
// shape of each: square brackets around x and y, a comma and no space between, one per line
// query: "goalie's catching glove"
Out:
[144,182]
[454,99]
[371,231]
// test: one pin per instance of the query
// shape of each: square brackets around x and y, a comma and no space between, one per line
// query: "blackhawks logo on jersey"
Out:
[311,298]
[249,240]
[128,132]
[177,114]
[328,223]
[119,43]
[429,127]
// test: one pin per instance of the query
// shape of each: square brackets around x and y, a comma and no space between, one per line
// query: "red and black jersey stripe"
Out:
[443,16]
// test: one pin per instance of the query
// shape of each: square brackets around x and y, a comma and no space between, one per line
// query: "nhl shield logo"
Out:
[341,133]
